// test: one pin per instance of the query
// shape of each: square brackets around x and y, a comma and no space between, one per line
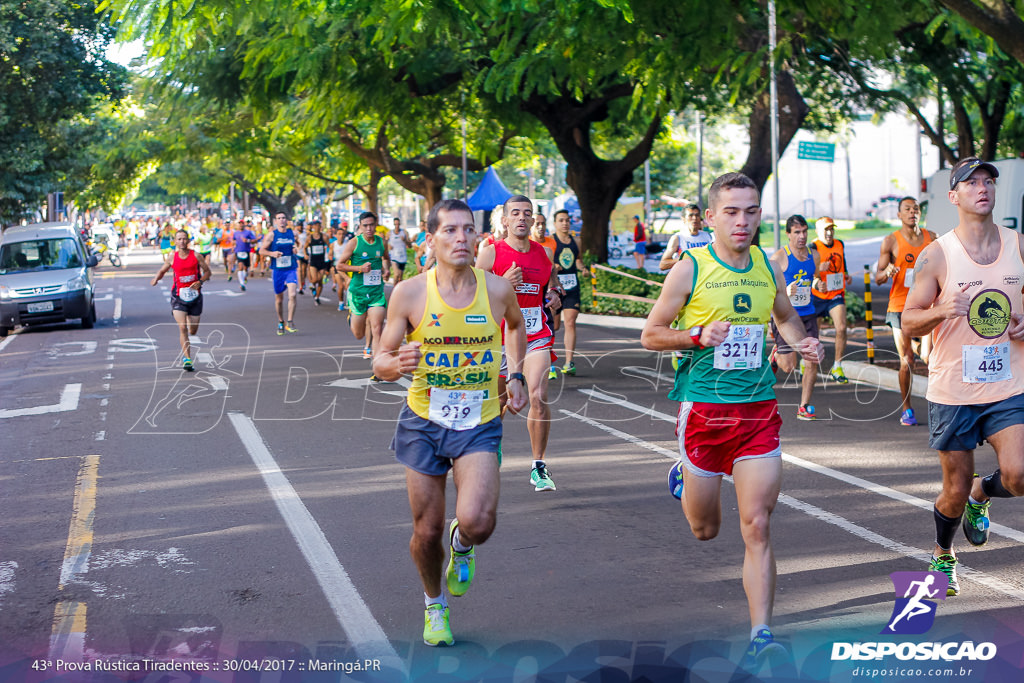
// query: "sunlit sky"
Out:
[123,53]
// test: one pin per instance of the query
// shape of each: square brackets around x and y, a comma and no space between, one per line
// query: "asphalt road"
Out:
[249,518]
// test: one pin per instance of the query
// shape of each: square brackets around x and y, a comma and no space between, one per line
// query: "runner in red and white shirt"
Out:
[190,272]
[528,266]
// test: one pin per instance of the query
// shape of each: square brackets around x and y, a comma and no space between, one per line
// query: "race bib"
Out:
[372,278]
[908,278]
[532,316]
[317,249]
[458,410]
[834,282]
[283,262]
[801,295]
[568,281]
[984,364]
[188,294]
[742,349]
[243,255]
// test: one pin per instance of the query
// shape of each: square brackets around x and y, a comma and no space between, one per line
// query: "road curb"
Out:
[856,371]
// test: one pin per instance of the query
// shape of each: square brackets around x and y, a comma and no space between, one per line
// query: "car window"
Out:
[35,255]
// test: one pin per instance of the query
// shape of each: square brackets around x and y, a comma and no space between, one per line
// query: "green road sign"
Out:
[817,151]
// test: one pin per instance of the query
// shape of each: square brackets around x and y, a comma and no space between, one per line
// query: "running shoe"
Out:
[976,522]
[341,306]
[289,327]
[461,566]
[907,419]
[806,412]
[301,290]
[541,479]
[229,277]
[375,379]
[553,372]
[367,352]
[838,375]
[186,365]
[947,565]
[316,300]
[762,646]
[436,631]
[675,480]
[569,369]
[280,329]
[803,368]
[242,287]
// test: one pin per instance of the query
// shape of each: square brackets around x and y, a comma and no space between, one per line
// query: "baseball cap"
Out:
[965,167]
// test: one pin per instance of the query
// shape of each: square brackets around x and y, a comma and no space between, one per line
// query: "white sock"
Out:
[439,600]
[755,630]
[457,544]
[538,463]
[972,501]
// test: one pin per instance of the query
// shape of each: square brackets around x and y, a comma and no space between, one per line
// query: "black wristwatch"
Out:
[519,376]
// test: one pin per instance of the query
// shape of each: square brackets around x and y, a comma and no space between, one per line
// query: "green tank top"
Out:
[372,254]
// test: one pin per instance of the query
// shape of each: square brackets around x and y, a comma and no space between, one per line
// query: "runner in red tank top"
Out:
[528,266]
[189,273]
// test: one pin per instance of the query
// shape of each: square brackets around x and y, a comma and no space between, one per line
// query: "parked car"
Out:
[45,276]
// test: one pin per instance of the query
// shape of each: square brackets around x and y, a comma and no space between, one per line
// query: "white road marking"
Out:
[218,383]
[917,554]
[879,489]
[68,401]
[7,340]
[355,618]
[117,310]
[60,348]
[7,572]
[101,436]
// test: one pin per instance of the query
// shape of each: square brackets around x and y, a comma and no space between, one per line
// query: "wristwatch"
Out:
[519,376]
[695,333]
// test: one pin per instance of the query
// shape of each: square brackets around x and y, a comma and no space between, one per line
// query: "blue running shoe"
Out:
[907,419]
[675,480]
[762,647]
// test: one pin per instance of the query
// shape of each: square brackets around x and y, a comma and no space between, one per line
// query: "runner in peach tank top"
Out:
[969,352]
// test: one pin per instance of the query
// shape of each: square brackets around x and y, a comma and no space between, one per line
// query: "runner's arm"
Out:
[265,246]
[788,322]
[515,340]
[884,261]
[160,274]
[580,266]
[668,257]
[393,358]
[343,264]
[927,306]
[205,272]
[485,259]
[657,335]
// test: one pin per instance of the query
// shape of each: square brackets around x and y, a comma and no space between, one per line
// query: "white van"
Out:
[45,276]
[940,216]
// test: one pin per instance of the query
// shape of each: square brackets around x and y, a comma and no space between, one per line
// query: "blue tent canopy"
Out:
[490,193]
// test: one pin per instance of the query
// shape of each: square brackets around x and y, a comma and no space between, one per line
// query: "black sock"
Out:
[993,487]
[945,529]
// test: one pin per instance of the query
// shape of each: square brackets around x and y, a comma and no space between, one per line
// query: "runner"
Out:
[301,239]
[204,242]
[189,274]
[729,419]
[244,239]
[527,265]
[366,257]
[450,313]
[640,242]
[830,300]
[798,265]
[398,244]
[279,246]
[167,239]
[319,266]
[339,277]
[227,249]
[967,290]
[420,245]
[692,236]
[899,253]
[569,268]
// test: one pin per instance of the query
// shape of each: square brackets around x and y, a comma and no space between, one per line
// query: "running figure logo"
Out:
[913,613]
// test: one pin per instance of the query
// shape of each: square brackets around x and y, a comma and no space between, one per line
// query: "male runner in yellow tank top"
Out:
[451,317]
[967,293]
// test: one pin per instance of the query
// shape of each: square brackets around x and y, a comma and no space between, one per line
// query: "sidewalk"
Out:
[857,371]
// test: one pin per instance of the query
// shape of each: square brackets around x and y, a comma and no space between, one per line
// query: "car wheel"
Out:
[115,260]
[4,331]
[90,320]
[616,252]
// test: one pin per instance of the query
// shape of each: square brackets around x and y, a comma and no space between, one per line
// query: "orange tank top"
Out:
[973,359]
[906,257]
[834,274]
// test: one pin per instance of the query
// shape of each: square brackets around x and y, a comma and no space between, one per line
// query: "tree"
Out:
[997,18]
[53,75]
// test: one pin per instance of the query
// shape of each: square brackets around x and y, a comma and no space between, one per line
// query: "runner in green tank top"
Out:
[365,256]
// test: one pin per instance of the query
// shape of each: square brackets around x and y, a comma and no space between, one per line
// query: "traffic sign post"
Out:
[817,151]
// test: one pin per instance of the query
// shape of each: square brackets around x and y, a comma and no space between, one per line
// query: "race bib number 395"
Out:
[742,349]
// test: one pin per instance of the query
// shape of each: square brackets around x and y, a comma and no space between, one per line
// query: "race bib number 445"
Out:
[742,349]
[983,364]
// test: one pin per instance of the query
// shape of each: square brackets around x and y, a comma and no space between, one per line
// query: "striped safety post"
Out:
[867,314]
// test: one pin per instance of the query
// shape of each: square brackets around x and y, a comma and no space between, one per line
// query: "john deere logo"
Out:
[741,303]
[989,315]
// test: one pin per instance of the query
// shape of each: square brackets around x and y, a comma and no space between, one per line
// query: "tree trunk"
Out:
[792,112]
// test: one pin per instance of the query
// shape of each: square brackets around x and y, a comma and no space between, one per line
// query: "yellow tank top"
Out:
[738,371]
[456,383]
[973,359]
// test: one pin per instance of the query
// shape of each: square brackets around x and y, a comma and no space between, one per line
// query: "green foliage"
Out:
[855,307]
[616,284]
[871,224]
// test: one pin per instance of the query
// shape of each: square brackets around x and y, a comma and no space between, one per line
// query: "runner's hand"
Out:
[514,275]
[956,303]
[892,270]
[517,397]
[1016,330]
[791,288]
[714,333]
[365,268]
[811,350]
[409,357]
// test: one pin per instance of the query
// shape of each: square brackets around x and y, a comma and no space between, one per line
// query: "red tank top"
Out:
[186,271]
[536,275]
